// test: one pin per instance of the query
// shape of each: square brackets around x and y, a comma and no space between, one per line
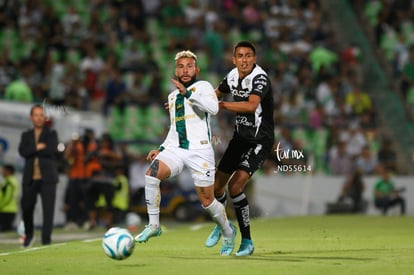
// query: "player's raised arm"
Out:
[205,99]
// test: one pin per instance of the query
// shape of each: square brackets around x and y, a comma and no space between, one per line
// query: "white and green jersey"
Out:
[190,116]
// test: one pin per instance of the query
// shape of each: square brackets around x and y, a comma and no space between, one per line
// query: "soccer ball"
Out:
[118,243]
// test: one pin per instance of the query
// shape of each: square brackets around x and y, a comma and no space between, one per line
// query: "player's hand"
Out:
[221,105]
[166,106]
[152,155]
[179,86]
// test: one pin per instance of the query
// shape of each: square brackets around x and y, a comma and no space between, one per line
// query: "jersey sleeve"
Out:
[260,85]
[168,139]
[224,87]
[204,98]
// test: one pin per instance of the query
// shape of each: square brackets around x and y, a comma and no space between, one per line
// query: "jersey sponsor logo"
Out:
[242,120]
[244,93]
[179,118]
[260,82]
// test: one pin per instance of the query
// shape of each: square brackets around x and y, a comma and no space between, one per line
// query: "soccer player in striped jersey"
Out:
[252,140]
[188,143]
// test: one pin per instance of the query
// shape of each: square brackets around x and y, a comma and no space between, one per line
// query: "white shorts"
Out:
[200,162]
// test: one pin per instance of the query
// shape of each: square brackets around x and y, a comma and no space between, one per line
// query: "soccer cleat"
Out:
[227,246]
[214,237]
[246,248]
[148,232]
[28,242]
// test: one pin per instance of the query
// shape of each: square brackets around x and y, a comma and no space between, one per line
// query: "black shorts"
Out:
[244,155]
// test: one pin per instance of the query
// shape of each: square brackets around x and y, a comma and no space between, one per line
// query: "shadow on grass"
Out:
[293,256]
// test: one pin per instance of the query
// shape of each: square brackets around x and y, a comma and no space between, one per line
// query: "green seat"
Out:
[319,140]
[116,123]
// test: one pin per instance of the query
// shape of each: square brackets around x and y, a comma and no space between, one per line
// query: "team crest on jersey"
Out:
[192,90]
[247,81]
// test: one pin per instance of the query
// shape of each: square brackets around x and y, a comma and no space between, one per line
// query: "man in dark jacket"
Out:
[38,146]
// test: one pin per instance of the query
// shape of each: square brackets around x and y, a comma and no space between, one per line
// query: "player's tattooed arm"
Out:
[155,165]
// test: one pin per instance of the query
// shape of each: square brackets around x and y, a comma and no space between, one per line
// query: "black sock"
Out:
[241,207]
[222,199]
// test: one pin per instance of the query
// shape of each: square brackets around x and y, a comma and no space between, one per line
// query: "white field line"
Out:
[92,240]
[44,247]
[31,249]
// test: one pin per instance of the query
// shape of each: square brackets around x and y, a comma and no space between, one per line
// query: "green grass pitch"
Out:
[295,245]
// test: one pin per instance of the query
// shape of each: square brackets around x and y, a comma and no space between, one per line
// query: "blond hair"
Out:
[185,54]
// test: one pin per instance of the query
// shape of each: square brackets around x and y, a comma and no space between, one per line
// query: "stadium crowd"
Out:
[391,24]
[111,57]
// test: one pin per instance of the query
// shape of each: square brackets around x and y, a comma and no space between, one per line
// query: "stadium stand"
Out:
[311,70]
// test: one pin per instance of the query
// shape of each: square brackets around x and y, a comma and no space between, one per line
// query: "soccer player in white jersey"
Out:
[188,143]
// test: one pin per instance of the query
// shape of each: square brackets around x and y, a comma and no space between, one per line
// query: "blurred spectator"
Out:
[57,87]
[7,70]
[340,162]
[351,54]
[288,82]
[91,65]
[292,110]
[133,56]
[138,89]
[215,44]
[316,117]
[367,122]
[358,101]
[387,156]
[353,189]
[19,89]
[75,155]
[407,75]
[115,92]
[121,195]
[322,57]
[326,92]
[102,163]
[193,11]
[285,139]
[387,195]
[74,90]
[355,140]
[137,171]
[9,196]
[367,162]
